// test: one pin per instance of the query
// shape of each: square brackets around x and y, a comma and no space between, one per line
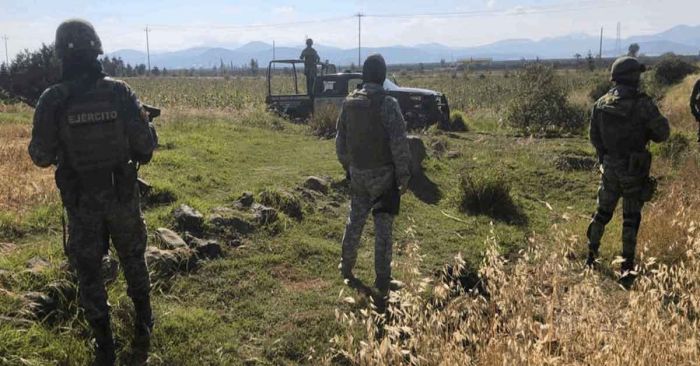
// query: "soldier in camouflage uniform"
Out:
[311,59]
[622,124]
[695,104]
[372,146]
[96,131]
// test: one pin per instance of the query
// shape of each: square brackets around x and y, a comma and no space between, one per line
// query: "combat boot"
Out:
[143,323]
[627,273]
[104,340]
[592,256]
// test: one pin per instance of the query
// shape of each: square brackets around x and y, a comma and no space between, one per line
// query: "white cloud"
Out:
[197,24]
[283,10]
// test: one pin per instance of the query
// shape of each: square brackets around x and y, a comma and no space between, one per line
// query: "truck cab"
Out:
[420,107]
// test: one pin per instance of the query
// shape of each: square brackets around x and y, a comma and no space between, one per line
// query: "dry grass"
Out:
[670,221]
[22,185]
[323,121]
[676,105]
[542,309]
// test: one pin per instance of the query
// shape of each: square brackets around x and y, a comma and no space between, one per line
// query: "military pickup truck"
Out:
[420,107]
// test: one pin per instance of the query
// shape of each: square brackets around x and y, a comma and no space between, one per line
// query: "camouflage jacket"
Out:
[624,121]
[394,125]
[695,101]
[311,58]
[45,147]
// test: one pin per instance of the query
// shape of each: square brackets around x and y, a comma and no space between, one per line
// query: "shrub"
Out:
[601,87]
[675,148]
[488,193]
[283,201]
[323,121]
[672,69]
[456,122]
[540,106]
[30,74]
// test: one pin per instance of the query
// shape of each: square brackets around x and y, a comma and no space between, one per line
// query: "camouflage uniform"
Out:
[695,104]
[311,59]
[368,185]
[622,124]
[96,131]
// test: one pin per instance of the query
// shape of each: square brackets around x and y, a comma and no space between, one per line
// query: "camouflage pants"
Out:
[366,187]
[97,218]
[614,186]
[310,80]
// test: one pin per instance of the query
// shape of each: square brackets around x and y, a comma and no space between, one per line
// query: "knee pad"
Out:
[631,220]
[602,217]
[594,234]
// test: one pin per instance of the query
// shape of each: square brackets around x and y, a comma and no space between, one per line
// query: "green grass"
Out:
[272,300]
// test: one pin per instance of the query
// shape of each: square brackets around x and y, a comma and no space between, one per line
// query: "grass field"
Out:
[278,298]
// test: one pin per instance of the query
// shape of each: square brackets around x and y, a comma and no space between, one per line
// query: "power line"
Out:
[250,26]
[567,7]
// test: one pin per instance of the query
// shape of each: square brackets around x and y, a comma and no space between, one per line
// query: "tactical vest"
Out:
[367,139]
[92,131]
[623,130]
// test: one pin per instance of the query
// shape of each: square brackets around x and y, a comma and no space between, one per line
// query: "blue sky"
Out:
[181,24]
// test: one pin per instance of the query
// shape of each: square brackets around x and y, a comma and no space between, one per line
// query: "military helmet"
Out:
[76,35]
[309,42]
[374,69]
[626,69]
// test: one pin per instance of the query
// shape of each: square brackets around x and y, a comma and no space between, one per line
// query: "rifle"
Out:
[389,202]
[152,113]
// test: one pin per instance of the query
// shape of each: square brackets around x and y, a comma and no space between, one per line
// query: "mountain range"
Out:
[681,39]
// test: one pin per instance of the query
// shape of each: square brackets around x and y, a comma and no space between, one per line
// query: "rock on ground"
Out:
[169,262]
[170,239]
[246,200]
[188,219]
[317,184]
[37,264]
[227,220]
[204,248]
[263,214]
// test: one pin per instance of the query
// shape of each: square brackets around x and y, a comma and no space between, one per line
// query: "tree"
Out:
[155,71]
[540,105]
[578,58]
[165,72]
[140,70]
[672,69]
[254,66]
[31,73]
[129,71]
[590,61]
[633,50]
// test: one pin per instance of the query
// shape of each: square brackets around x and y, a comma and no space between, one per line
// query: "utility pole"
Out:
[619,38]
[7,55]
[148,52]
[600,52]
[359,39]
